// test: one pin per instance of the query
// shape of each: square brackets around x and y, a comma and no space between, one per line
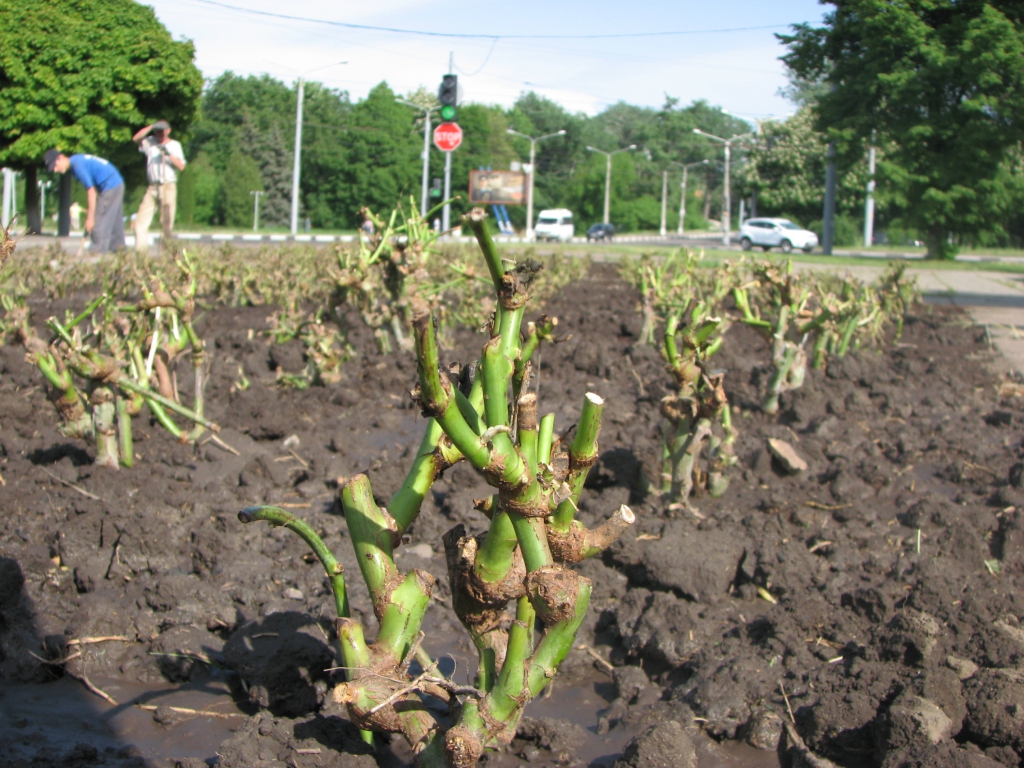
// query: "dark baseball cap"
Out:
[50,159]
[161,125]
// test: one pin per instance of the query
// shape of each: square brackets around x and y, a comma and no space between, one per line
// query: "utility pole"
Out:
[664,202]
[829,217]
[256,209]
[446,213]
[682,196]
[297,154]
[531,172]
[869,201]
[608,176]
[727,200]
[43,186]
[425,185]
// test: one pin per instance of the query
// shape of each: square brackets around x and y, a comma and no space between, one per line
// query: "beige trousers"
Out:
[165,196]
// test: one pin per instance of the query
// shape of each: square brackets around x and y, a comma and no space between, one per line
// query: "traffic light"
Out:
[448,95]
[435,189]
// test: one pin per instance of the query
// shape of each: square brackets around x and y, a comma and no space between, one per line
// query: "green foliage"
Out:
[846,231]
[242,176]
[786,169]
[944,82]
[84,75]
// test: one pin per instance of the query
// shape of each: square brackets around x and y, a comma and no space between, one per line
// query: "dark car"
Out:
[601,232]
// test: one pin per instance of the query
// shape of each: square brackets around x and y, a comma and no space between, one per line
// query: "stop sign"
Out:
[447,136]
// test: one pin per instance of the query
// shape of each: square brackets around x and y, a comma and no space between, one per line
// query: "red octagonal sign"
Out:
[447,136]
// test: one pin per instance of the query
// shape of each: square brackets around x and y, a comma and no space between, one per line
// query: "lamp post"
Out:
[43,186]
[256,209]
[682,198]
[298,144]
[425,187]
[608,175]
[529,187]
[727,202]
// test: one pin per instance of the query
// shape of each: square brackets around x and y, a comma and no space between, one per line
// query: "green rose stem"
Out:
[276,517]
[76,421]
[582,455]
[124,431]
[545,437]
[103,417]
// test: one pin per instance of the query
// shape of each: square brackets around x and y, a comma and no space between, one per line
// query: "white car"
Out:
[776,233]
[555,224]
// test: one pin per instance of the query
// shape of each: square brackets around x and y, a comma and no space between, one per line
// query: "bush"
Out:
[846,232]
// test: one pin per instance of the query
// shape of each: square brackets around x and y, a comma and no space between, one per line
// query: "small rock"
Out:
[665,745]
[422,550]
[294,594]
[916,718]
[964,668]
[764,731]
[166,716]
[787,456]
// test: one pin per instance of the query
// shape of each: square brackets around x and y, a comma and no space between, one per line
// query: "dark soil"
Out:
[895,559]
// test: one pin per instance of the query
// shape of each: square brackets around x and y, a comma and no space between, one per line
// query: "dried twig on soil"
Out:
[597,656]
[104,639]
[785,697]
[206,713]
[72,486]
[92,688]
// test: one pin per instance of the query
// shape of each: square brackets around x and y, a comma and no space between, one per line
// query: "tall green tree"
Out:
[943,81]
[242,178]
[785,168]
[382,162]
[83,76]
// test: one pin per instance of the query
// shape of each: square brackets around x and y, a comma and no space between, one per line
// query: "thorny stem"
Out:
[335,573]
[124,430]
[371,530]
[545,437]
[582,455]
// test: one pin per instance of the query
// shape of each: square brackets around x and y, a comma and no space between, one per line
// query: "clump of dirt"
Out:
[872,599]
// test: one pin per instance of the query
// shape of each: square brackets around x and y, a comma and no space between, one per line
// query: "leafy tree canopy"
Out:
[84,75]
[943,80]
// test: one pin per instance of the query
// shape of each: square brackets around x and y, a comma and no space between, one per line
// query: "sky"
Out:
[500,50]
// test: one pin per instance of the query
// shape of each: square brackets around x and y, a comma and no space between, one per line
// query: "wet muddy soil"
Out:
[871,601]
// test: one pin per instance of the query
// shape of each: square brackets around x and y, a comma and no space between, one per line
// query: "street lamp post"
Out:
[682,198]
[727,202]
[297,154]
[529,186]
[43,186]
[608,176]
[256,210]
[425,186]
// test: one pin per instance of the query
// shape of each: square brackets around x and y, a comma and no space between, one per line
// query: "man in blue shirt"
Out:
[104,188]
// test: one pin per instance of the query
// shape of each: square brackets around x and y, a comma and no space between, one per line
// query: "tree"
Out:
[785,168]
[943,80]
[198,191]
[83,76]
[382,162]
[242,176]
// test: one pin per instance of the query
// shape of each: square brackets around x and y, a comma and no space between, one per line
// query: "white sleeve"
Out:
[175,150]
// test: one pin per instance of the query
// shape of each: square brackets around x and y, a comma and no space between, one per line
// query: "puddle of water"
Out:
[60,715]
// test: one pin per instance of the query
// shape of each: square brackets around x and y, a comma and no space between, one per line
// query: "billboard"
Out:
[497,187]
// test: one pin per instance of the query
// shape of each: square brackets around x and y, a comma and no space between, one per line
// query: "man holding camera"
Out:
[164,159]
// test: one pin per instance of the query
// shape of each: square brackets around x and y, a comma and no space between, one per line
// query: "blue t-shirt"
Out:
[92,171]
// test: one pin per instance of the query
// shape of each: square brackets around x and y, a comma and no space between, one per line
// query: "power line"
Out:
[423,33]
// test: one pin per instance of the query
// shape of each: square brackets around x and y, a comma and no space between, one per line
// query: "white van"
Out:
[555,224]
